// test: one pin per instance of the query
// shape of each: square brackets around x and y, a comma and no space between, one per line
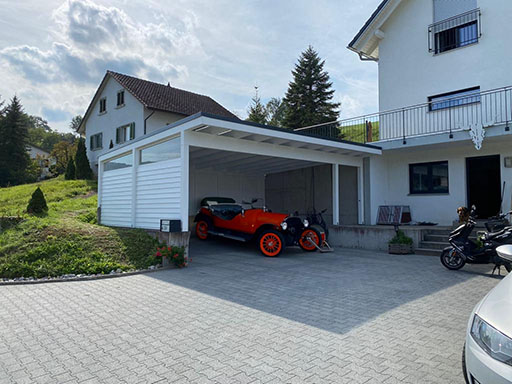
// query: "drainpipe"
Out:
[146,119]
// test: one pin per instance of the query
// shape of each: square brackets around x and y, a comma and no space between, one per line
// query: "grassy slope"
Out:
[66,240]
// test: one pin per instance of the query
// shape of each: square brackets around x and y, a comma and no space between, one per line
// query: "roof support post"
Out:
[134,186]
[185,149]
[360,195]
[335,194]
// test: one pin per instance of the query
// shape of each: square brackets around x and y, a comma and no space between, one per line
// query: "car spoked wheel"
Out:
[310,240]
[451,259]
[271,243]
[202,229]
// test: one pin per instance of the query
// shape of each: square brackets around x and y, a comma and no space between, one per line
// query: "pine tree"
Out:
[83,169]
[37,203]
[70,170]
[14,158]
[257,112]
[276,110]
[309,95]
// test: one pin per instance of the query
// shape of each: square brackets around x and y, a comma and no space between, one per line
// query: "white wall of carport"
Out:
[207,182]
[389,177]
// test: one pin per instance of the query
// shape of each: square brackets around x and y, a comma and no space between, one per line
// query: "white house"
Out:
[43,158]
[125,108]
[445,107]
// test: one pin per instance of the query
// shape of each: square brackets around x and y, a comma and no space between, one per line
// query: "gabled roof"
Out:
[366,41]
[161,97]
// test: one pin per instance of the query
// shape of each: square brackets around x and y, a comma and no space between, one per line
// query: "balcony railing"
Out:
[450,115]
[455,32]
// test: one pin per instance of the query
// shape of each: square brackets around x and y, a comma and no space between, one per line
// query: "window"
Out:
[103,105]
[125,133]
[459,36]
[428,178]
[454,99]
[96,141]
[121,162]
[120,98]
[166,150]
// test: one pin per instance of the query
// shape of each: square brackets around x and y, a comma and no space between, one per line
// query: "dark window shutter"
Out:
[100,140]
[132,131]
[118,135]
[91,143]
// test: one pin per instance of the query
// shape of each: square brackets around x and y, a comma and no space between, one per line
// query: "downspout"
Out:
[146,119]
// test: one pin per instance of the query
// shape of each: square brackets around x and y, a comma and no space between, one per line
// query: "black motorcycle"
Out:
[463,250]
[317,218]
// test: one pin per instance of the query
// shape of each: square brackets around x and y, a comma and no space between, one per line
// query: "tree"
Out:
[70,170]
[37,203]
[14,158]
[75,123]
[257,112]
[276,111]
[309,95]
[62,152]
[41,135]
[83,168]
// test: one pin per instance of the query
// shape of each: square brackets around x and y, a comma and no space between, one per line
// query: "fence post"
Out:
[403,126]
[450,121]
[507,128]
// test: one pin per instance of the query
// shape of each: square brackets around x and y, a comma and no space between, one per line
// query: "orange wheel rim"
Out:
[202,230]
[308,240]
[270,244]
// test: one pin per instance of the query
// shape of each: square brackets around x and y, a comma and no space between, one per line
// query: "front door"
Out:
[484,185]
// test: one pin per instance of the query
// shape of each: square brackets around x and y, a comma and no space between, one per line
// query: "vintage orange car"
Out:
[220,216]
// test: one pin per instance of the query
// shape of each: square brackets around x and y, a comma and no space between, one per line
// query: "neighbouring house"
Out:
[43,158]
[445,101]
[125,108]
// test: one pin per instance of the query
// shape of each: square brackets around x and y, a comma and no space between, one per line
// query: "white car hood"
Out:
[496,307]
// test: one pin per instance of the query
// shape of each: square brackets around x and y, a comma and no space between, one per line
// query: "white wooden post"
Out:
[360,195]
[184,180]
[135,165]
[335,194]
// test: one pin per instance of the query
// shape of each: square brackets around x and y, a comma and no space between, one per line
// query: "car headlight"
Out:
[284,225]
[306,223]
[492,341]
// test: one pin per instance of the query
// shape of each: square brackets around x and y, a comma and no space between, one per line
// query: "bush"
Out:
[175,255]
[70,170]
[401,238]
[83,168]
[37,203]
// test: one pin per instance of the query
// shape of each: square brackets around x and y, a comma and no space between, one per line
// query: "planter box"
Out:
[400,249]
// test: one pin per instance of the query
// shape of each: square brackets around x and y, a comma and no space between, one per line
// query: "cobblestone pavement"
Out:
[234,316]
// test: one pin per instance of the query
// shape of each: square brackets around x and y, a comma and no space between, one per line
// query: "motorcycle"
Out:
[316,218]
[463,250]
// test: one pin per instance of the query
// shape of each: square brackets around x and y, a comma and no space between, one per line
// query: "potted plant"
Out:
[400,244]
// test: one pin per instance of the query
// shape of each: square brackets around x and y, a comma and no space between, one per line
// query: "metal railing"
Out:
[455,32]
[460,113]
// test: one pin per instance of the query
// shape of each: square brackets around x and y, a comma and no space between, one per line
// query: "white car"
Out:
[487,355]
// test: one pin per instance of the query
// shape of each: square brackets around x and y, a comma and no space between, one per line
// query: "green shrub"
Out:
[70,170]
[37,203]
[401,238]
[83,168]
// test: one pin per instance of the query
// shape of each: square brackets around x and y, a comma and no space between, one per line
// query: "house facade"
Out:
[125,108]
[445,105]
[43,158]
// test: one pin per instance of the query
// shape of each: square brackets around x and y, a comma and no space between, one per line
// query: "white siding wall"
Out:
[116,198]
[158,193]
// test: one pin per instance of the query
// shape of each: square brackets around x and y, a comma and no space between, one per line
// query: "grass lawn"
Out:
[66,239]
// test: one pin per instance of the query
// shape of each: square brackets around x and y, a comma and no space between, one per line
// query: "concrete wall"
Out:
[389,175]
[409,73]
[215,183]
[300,190]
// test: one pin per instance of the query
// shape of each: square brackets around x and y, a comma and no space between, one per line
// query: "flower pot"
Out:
[400,249]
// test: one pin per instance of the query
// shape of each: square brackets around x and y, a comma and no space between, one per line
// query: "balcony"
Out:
[459,31]
[441,115]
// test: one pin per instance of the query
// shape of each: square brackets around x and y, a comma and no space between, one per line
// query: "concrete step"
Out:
[427,252]
[434,245]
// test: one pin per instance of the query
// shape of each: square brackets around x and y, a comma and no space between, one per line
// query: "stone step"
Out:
[439,245]
[427,252]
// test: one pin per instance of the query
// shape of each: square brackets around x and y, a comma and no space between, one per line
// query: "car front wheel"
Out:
[271,243]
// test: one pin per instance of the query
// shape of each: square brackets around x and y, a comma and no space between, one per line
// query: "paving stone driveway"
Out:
[237,317]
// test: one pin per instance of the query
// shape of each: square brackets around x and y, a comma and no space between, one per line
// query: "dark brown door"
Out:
[484,185]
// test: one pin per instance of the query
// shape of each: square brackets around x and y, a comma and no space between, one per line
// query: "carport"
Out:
[165,174]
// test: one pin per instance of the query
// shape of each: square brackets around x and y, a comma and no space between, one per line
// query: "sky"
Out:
[54,53]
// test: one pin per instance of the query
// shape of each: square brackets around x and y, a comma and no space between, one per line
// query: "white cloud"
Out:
[222,48]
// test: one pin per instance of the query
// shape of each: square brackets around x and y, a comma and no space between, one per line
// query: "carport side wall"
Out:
[290,191]
[206,182]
